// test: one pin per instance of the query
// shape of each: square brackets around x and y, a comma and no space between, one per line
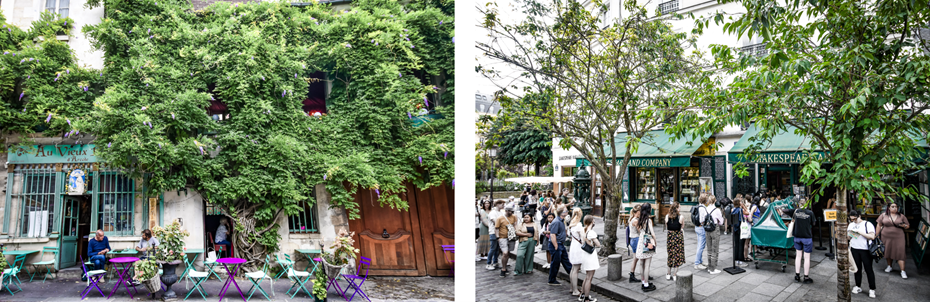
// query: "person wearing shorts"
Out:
[803,241]
[503,225]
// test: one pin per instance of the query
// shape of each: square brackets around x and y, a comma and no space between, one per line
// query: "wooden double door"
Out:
[407,243]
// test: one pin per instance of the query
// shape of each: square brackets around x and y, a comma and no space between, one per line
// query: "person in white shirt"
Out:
[860,234]
[575,254]
[701,234]
[495,249]
[713,238]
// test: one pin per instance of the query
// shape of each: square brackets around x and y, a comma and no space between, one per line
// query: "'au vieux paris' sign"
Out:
[49,154]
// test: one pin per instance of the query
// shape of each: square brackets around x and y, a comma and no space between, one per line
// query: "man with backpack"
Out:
[697,218]
[711,221]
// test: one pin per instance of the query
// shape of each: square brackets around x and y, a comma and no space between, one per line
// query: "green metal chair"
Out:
[12,273]
[209,264]
[295,276]
[7,279]
[257,277]
[46,263]
[198,278]
[285,264]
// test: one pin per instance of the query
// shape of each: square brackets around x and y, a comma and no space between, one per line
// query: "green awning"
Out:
[786,147]
[656,149]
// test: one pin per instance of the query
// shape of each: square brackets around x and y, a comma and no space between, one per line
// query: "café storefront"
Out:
[775,169]
[56,195]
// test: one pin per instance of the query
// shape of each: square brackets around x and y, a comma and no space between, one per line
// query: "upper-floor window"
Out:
[668,7]
[754,47]
[315,102]
[58,6]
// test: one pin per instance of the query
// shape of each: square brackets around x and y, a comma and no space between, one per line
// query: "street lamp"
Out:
[491,154]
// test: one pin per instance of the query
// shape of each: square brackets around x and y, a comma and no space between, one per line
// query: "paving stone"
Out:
[753,297]
[707,289]
[768,289]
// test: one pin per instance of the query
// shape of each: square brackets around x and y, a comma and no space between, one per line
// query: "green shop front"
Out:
[775,169]
[56,196]
[661,172]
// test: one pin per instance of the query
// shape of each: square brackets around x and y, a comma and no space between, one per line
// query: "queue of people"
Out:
[499,230]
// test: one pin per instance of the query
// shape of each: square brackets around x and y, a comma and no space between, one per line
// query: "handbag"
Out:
[877,248]
[745,229]
[790,230]
[511,233]
[587,248]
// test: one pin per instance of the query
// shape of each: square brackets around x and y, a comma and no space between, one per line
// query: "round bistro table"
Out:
[126,263]
[237,263]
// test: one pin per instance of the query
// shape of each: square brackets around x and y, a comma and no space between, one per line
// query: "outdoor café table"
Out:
[23,253]
[120,253]
[237,263]
[307,253]
[126,262]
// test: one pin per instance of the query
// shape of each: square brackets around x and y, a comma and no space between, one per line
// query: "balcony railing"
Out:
[757,50]
[668,7]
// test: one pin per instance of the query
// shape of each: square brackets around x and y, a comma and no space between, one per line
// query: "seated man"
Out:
[146,247]
[97,249]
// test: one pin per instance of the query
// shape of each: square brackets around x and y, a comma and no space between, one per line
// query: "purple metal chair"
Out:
[92,278]
[358,287]
[451,250]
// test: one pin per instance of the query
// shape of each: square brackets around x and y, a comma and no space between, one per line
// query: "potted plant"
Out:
[147,273]
[170,253]
[341,256]
[319,287]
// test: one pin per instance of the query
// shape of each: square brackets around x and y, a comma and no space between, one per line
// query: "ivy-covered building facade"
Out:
[388,179]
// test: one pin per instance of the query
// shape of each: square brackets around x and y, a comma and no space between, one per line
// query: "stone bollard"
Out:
[683,287]
[614,267]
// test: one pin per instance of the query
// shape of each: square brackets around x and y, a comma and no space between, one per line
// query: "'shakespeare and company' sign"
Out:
[776,157]
[654,162]
[49,154]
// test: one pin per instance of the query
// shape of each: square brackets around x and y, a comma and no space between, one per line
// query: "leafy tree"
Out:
[596,80]
[522,144]
[42,87]
[852,76]
[165,64]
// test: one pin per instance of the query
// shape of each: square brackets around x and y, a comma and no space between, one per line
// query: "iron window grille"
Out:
[668,7]
[38,200]
[61,9]
[116,200]
[756,50]
[305,221]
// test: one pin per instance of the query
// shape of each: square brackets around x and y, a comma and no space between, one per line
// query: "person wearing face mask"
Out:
[891,226]
[860,234]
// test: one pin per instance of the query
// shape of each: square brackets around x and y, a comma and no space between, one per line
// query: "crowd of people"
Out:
[547,222]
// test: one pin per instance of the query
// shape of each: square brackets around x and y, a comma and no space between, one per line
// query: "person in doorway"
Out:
[222,232]
[575,254]
[715,217]
[675,241]
[492,237]
[701,234]
[803,219]
[891,226]
[646,245]
[146,248]
[505,225]
[557,235]
[97,249]
[589,261]
[860,234]
[526,251]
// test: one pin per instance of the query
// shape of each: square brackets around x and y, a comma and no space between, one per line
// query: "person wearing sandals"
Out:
[506,225]
[575,254]
[527,232]
[589,261]
[646,245]
[860,234]
[891,226]
[676,241]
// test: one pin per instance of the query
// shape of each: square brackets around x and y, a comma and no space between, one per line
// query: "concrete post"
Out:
[614,267]
[683,287]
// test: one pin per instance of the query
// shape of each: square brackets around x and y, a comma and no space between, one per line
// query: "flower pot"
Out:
[333,271]
[153,285]
[170,277]
[315,299]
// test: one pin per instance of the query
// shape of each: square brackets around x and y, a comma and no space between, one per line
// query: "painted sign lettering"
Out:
[48,154]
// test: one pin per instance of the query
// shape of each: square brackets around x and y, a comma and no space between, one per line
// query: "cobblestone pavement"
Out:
[766,283]
[380,289]
[490,286]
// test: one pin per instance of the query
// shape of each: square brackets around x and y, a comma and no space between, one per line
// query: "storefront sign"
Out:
[648,162]
[570,157]
[50,154]
[829,215]
[776,157]
[709,148]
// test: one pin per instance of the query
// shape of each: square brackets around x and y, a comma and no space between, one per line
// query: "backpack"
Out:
[710,227]
[696,216]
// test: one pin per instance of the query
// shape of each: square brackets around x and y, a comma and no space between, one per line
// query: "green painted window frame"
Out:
[634,184]
[117,215]
[305,222]
[49,199]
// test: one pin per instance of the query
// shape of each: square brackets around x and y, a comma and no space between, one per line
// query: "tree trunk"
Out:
[537,165]
[842,245]
[613,201]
